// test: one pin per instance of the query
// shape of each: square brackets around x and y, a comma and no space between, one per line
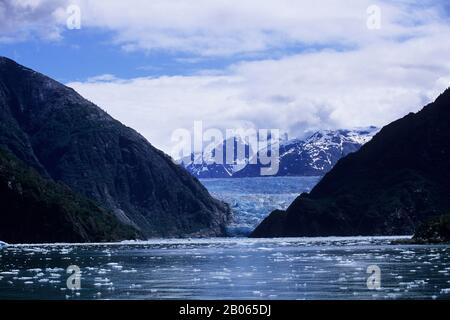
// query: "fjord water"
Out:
[232,268]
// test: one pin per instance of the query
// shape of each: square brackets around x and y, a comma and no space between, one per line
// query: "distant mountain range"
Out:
[202,165]
[69,140]
[393,184]
[313,156]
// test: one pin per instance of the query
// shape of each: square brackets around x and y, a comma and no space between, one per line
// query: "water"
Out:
[232,268]
[252,199]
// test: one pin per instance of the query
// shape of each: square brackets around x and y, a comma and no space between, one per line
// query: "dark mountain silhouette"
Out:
[395,182]
[436,230]
[70,140]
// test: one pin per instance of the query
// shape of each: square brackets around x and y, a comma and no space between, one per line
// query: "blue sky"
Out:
[296,66]
[88,52]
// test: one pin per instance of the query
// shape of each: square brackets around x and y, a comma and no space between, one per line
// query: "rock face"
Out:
[69,139]
[316,155]
[38,210]
[395,182]
[436,230]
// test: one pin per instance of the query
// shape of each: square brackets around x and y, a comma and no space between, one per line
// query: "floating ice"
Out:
[54,270]
[234,268]
[12,273]
[129,271]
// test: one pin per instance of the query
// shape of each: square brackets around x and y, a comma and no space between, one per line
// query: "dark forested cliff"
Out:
[37,210]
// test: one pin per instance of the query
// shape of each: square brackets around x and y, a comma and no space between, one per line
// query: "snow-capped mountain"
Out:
[313,156]
[317,154]
[204,165]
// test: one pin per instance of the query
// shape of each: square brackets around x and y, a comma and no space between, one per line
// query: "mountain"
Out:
[38,210]
[203,164]
[70,140]
[395,182]
[436,230]
[316,155]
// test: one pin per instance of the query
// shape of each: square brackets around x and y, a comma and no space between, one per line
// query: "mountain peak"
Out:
[11,65]
[444,95]
[311,157]
[4,59]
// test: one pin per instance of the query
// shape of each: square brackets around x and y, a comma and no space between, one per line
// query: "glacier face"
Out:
[251,199]
[313,156]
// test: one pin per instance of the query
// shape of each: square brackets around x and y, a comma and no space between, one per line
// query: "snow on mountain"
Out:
[204,164]
[313,156]
[324,148]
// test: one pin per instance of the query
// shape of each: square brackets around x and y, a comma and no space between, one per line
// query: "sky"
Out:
[293,65]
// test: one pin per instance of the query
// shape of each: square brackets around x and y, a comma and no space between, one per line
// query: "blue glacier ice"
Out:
[252,199]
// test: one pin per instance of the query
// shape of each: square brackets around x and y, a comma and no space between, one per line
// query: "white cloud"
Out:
[362,77]
[213,27]
[216,28]
[22,20]
[329,89]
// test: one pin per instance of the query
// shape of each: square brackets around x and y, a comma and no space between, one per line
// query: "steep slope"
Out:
[37,210]
[65,137]
[393,183]
[436,230]
[316,155]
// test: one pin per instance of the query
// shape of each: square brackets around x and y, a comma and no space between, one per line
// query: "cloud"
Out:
[328,89]
[222,28]
[330,70]
[22,20]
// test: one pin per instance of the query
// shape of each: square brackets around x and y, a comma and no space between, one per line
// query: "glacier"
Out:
[252,199]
